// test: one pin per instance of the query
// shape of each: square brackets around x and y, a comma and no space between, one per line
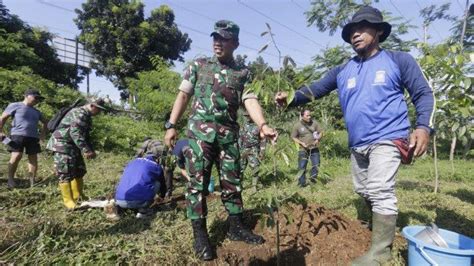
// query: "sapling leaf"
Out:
[263,48]
[268,26]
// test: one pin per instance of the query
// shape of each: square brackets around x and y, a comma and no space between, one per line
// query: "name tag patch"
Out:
[379,77]
[351,83]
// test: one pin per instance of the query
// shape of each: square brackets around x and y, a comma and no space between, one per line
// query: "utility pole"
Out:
[466,14]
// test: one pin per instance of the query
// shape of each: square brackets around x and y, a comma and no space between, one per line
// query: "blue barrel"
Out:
[460,249]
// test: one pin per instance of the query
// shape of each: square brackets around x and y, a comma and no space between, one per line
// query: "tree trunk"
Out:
[464,24]
[435,154]
[467,148]
[451,153]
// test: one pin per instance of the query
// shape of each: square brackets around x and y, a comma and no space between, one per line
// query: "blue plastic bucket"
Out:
[460,251]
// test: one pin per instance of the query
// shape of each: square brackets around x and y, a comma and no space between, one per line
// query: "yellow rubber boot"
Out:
[77,187]
[66,192]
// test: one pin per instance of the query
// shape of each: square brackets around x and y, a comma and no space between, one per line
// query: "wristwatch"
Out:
[169,125]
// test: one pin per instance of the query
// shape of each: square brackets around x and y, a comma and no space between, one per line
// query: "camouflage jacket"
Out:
[249,135]
[218,91]
[72,132]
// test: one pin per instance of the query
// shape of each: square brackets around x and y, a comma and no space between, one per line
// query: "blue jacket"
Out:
[138,181]
[371,94]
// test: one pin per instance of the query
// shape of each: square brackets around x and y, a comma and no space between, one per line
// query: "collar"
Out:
[230,64]
[359,60]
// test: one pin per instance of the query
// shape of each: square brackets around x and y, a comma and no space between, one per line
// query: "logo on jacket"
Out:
[351,83]
[379,77]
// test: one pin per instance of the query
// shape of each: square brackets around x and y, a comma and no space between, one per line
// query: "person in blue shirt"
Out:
[141,180]
[179,151]
[371,90]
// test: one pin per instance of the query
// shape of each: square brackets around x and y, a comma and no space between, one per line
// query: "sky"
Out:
[196,18]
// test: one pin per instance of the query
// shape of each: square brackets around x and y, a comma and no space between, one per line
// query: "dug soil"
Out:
[311,235]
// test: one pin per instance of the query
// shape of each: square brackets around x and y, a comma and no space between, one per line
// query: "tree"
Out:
[259,67]
[23,46]
[155,90]
[444,65]
[432,13]
[457,29]
[331,15]
[122,40]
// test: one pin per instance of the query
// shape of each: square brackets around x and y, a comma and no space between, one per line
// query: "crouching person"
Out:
[69,142]
[141,180]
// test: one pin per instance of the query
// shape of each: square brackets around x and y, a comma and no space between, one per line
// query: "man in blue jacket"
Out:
[141,180]
[371,90]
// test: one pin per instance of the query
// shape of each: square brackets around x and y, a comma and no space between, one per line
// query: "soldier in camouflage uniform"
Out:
[68,142]
[217,84]
[250,149]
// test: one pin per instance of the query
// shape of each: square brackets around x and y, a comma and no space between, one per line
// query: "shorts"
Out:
[69,166]
[22,143]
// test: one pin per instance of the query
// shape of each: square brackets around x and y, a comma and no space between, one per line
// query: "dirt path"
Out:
[316,236]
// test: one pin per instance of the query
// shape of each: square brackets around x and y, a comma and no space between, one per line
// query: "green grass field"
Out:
[35,229]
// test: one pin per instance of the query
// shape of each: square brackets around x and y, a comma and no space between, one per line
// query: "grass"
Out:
[37,230]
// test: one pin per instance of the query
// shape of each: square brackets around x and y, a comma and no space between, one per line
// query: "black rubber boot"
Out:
[237,231]
[202,246]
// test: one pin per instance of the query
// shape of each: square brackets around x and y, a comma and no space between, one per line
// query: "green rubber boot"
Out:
[383,233]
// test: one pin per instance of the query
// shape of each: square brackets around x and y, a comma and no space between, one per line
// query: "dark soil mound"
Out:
[313,236]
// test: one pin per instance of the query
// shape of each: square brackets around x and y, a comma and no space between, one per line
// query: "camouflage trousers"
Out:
[199,161]
[249,156]
[69,165]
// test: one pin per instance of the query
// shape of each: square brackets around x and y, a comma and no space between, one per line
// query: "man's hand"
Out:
[269,133]
[316,143]
[281,98]
[170,137]
[419,140]
[90,155]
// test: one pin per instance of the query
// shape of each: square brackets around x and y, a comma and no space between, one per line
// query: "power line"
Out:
[183,26]
[398,10]
[242,30]
[56,6]
[245,46]
[298,5]
[279,23]
[37,24]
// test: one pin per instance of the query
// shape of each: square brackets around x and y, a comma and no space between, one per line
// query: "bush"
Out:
[122,134]
[14,83]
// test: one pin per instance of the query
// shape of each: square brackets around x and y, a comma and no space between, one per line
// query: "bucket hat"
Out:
[370,15]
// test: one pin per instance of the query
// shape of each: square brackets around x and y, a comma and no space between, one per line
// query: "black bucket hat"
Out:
[370,15]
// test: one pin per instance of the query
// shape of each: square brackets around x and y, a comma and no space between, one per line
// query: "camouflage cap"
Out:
[99,102]
[152,147]
[226,29]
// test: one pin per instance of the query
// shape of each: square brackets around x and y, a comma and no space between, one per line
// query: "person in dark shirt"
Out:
[371,90]
[179,151]
[307,133]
